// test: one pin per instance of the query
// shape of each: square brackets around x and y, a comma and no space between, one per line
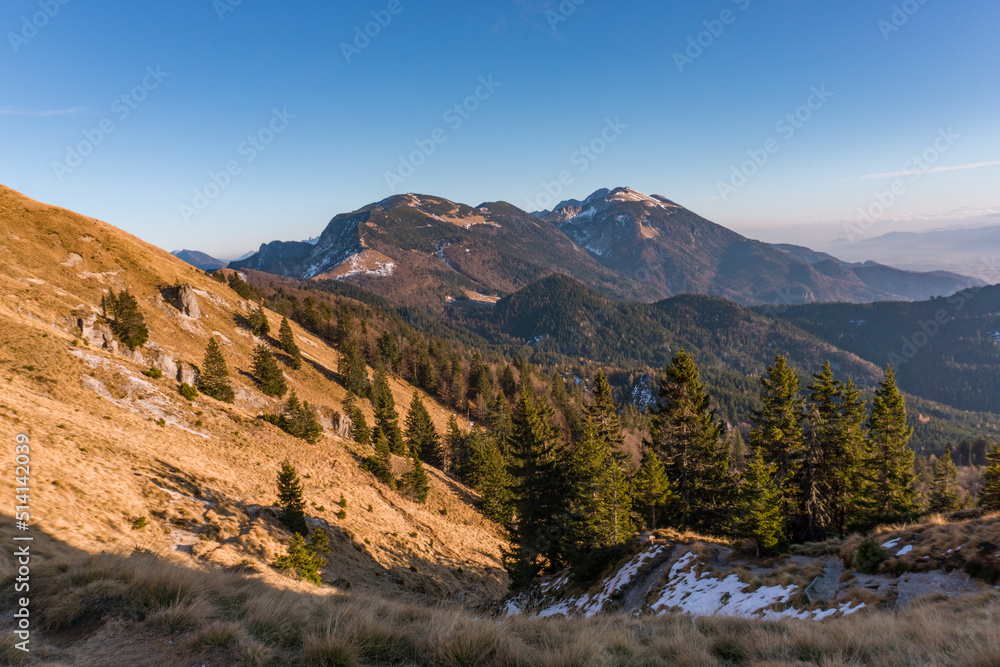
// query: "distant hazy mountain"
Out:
[424,250]
[971,252]
[200,260]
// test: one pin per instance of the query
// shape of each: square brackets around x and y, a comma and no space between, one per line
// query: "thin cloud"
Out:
[935,170]
[48,113]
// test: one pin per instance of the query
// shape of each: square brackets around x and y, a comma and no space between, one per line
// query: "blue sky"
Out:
[193,87]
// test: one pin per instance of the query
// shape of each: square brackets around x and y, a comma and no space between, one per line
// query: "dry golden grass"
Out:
[220,618]
[105,475]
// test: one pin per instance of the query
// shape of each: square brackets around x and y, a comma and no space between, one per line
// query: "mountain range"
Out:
[200,260]
[428,251]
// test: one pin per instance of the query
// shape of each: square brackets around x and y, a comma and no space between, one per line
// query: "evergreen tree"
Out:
[837,426]
[286,341]
[500,421]
[380,464]
[688,438]
[242,288]
[491,478]
[293,507]
[388,351]
[459,450]
[508,385]
[760,515]
[352,369]
[777,430]
[813,483]
[569,410]
[359,425]
[537,488]
[989,496]
[214,377]
[890,495]
[944,487]
[600,499]
[421,436]
[416,480]
[386,417]
[300,420]
[652,488]
[305,560]
[604,412]
[127,322]
[258,322]
[267,373]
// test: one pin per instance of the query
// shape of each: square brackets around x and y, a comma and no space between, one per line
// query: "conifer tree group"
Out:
[989,495]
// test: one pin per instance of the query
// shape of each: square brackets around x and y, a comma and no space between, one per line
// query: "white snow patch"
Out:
[905,550]
[891,544]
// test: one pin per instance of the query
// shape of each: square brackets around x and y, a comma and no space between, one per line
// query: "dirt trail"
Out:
[824,587]
[635,598]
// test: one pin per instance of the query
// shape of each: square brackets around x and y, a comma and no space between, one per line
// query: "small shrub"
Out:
[342,514]
[154,373]
[443,511]
[343,501]
[189,392]
[870,557]
[139,523]
[161,422]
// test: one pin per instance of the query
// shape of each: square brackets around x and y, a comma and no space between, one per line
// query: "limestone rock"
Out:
[183,298]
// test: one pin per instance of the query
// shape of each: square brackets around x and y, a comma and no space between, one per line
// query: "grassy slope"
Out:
[101,462]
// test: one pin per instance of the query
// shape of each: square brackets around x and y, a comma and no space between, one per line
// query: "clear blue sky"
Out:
[686,130]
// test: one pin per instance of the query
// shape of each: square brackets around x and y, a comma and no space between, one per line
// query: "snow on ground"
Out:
[891,544]
[905,550]
[707,595]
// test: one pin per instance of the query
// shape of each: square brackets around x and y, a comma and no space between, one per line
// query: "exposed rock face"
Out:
[183,298]
[165,361]
[187,374]
[98,335]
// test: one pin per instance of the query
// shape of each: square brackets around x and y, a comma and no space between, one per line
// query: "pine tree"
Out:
[305,560]
[500,421]
[688,438]
[293,507]
[267,373]
[760,515]
[491,478]
[380,464]
[813,484]
[242,288]
[352,369]
[571,411]
[214,377]
[258,322]
[836,426]
[944,487]
[127,323]
[600,500]
[508,385]
[359,425]
[459,450]
[416,480]
[421,436]
[604,412]
[890,494]
[777,430]
[989,496]
[537,483]
[388,351]
[386,417]
[299,419]
[652,488]
[286,341]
